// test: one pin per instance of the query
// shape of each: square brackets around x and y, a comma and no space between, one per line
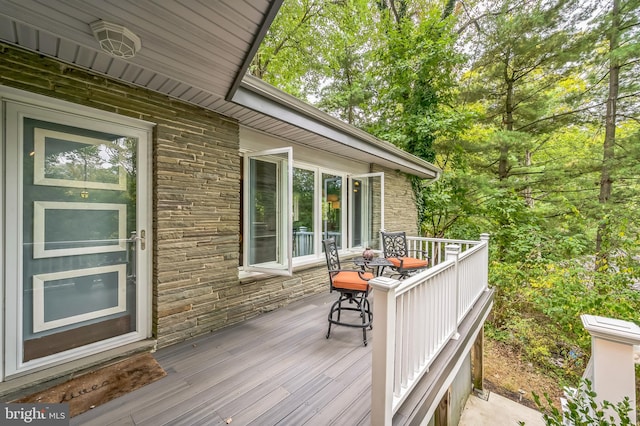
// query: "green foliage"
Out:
[508,98]
[537,309]
[415,65]
[583,408]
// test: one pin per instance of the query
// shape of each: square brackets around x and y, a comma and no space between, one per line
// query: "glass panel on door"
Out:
[79,257]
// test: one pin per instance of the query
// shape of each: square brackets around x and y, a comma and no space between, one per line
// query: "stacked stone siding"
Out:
[196,201]
[400,213]
[196,193]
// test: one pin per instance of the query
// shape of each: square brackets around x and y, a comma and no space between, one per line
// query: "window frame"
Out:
[322,202]
[313,256]
[284,221]
[346,227]
[350,225]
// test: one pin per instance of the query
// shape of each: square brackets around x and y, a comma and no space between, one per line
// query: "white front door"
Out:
[77,235]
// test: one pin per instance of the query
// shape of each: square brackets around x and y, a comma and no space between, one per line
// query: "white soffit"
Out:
[304,124]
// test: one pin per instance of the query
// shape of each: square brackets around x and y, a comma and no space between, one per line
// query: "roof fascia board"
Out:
[264,28]
[255,94]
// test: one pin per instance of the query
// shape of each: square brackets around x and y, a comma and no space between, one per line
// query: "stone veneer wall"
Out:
[400,213]
[196,201]
[196,198]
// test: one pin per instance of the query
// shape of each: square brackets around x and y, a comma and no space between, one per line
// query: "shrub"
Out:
[582,408]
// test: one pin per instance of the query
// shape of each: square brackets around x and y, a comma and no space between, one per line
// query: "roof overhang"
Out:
[197,52]
[326,132]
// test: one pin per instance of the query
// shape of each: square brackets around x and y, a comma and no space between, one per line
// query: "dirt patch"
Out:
[506,375]
[92,389]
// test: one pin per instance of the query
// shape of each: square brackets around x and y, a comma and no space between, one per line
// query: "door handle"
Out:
[142,238]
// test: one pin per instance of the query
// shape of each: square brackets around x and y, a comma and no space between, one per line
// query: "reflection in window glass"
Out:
[303,194]
[263,211]
[92,176]
[366,211]
[267,228]
[90,162]
[332,207]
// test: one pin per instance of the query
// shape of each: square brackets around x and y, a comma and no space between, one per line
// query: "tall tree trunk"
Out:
[528,197]
[606,181]
[503,162]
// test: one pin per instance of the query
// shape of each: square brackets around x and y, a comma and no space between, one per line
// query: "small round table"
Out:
[377,264]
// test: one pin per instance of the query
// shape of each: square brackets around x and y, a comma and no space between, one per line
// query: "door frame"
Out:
[15,105]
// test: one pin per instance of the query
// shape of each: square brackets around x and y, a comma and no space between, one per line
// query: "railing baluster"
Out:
[416,317]
[397,349]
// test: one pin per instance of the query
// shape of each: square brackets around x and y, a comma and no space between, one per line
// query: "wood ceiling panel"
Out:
[179,90]
[131,73]
[60,18]
[7,30]
[173,26]
[102,63]
[157,82]
[27,36]
[213,38]
[116,68]
[85,57]
[252,9]
[144,78]
[67,51]
[47,44]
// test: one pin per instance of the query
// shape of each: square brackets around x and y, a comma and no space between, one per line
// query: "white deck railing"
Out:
[303,243]
[416,317]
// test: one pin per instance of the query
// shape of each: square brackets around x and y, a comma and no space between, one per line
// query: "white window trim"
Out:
[317,258]
[285,219]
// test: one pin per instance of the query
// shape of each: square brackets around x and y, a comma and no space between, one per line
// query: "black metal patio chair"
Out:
[353,286]
[396,250]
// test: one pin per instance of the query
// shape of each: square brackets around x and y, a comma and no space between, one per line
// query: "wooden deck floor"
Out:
[277,368]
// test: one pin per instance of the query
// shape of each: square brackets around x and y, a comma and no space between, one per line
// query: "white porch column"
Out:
[485,263]
[452,252]
[382,363]
[612,356]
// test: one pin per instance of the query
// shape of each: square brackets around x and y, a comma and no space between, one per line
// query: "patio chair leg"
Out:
[365,318]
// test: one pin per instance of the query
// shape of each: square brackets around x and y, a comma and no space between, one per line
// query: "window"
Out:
[366,210]
[332,208]
[303,212]
[267,200]
[321,204]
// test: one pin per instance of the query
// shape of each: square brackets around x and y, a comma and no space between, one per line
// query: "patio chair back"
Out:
[331,253]
[396,250]
[394,244]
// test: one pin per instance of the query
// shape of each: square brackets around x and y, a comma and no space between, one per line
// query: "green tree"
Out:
[618,25]
[290,56]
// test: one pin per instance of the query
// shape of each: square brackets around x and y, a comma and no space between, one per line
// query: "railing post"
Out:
[613,375]
[485,261]
[382,364]
[452,251]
